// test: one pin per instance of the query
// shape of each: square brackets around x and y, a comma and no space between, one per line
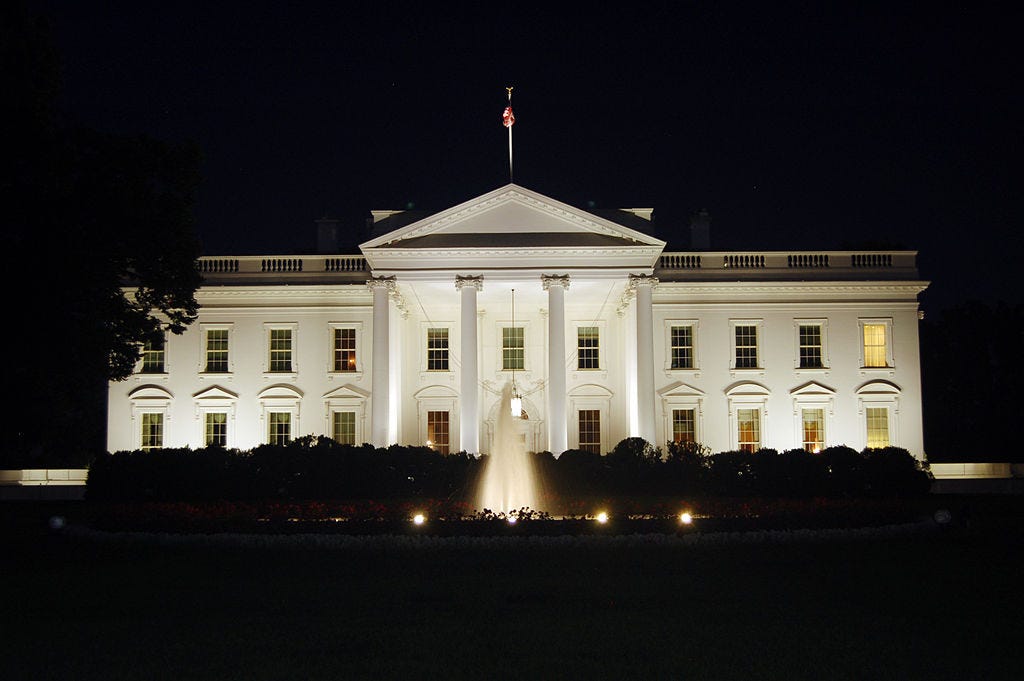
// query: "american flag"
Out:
[507,119]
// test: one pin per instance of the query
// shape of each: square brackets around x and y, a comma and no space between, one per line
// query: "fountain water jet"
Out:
[508,482]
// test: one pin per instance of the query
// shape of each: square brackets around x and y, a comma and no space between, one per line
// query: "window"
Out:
[437,349]
[681,347]
[811,355]
[153,353]
[587,348]
[875,345]
[345,349]
[437,431]
[813,423]
[344,427]
[280,350]
[683,425]
[748,433]
[216,351]
[279,430]
[878,426]
[152,431]
[746,346]
[216,429]
[590,430]
[512,348]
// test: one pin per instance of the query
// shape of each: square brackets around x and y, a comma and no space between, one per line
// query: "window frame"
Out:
[445,353]
[822,325]
[269,328]
[890,360]
[147,352]
[595,352]
[204,352]
[669,326]
[758,325]
[748,395]
[145,415]
[879,394]
[333,328]
[813,395]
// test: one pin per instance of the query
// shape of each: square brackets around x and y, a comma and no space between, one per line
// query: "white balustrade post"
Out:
[380,386]
[558,440]
[644,286]
[469,400]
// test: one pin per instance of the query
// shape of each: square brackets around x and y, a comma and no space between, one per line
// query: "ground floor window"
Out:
[152,431]
[878,426]
[344,427]
[590,430]
[437,431]
[683,425]
[748,433]
[280,428]
[813,421]
[216,430]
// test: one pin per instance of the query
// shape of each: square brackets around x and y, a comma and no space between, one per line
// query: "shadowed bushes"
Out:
[319,468]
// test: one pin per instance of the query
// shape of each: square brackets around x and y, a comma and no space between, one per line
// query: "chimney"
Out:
[700,231]
[328,235]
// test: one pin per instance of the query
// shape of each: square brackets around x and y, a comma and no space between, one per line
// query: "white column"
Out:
[644,285]
[557,432]
[380,386]
[469,399]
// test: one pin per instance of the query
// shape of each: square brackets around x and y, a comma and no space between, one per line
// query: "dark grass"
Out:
[935,606]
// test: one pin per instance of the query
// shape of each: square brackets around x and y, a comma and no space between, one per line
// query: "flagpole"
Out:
[508,120]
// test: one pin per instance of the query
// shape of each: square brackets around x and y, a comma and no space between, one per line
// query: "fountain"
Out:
[508,483]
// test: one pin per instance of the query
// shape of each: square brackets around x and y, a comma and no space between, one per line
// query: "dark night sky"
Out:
[795,125]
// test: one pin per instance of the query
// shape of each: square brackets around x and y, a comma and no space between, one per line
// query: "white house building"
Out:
[604,334]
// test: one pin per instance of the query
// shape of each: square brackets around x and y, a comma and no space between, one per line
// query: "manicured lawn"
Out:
[929,607]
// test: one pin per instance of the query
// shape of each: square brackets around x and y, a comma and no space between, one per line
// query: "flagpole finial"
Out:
[509,88]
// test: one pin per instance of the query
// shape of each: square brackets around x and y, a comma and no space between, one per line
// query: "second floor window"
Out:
[588,348]
[153,354]
[280,349]
[216,351]
[746,346]
[345,350]
[512,348]
[810,346]
[437,349]
[681,338]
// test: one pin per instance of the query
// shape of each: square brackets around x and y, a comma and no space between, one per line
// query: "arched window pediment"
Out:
[150,392]
[280,391]
[747,388]
[435,392]
[879,387]
[591,390]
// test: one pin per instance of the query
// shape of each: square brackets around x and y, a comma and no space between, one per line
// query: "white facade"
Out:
[413,340]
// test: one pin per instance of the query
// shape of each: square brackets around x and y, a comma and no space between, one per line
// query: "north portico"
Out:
[550,254]
[411,341]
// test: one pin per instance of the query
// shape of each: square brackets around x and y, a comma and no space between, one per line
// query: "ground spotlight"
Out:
[511,520]
[419,519]
[602,517]
[685,518]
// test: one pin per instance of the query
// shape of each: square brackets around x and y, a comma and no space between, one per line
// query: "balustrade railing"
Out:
[772,260]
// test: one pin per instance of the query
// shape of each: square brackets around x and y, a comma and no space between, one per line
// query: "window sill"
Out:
[670,372]
[349,375]
[759,371]
[878,371]
[812,370]
[279,375]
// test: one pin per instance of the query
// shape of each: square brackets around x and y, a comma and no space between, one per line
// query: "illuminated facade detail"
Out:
[669,346]
[153,356]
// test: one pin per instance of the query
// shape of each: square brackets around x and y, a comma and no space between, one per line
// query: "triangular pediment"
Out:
[215,392]
[680,389]
[347,391]
[514,222]
[812,388]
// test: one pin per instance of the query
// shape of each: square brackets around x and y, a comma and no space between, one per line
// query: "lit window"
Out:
[878,426]
[813,421]
[437,430]
[437,349]
[748,423]
[681,338]
[216,431]
[512,348]
[344,427]
[344,349]
[152,431]
[280,349]
[216,351]
[279,428]
[875,348]
[590,430]
[746,346]
[587,348]
[810,346]
[153,353]
[683,425]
